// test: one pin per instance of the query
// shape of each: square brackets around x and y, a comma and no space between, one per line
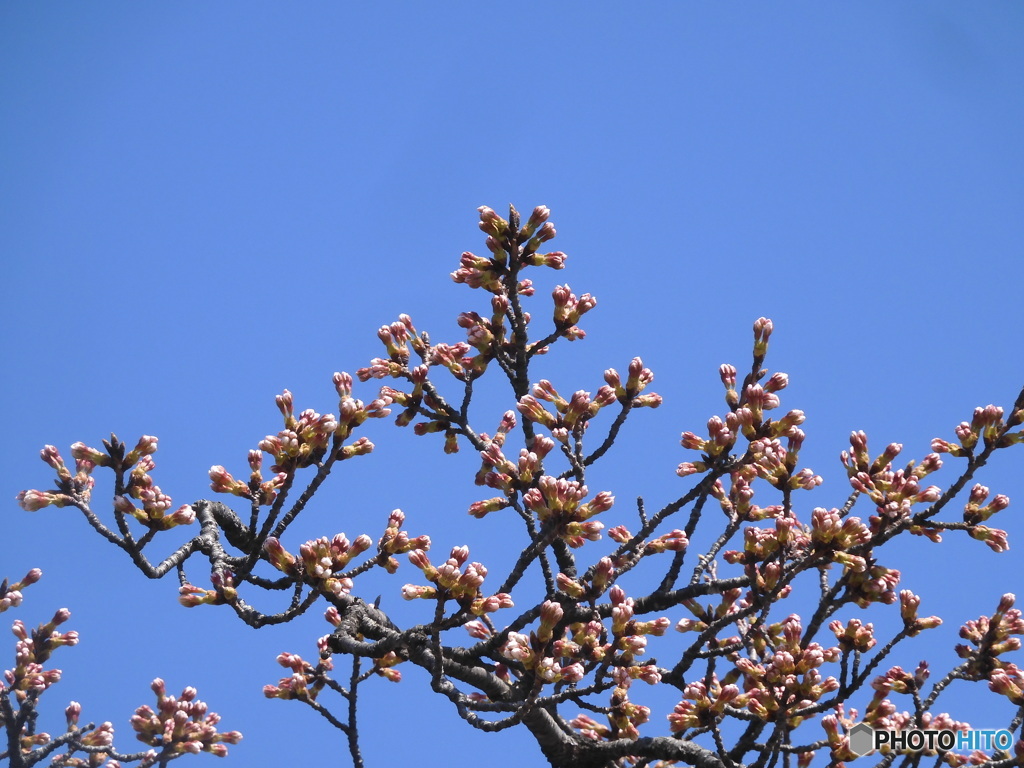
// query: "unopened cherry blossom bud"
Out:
[539,216]
[693,442]
[420,559]
[551,613]
[690,468]
[762,331]
[649,400]
[221,481]
[284,403]
[33,501]
[777,382]
[82,451]
[61,616]
[482,605]
[412,592]
[569,586]
[360,447]
[619,534]
[491,222]
[572,673]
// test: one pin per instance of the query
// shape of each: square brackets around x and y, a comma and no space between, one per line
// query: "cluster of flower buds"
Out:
[303,441]
[624,717]
[10,593]
[485,335]
[881,713]
[722,435]
[532,653]
[506,243]
[790,678]
[155,503]
[673,541]
[589,728]
[454,357]
[395,541]
[569,309]
[912,624]
[114,455]
[410,401]
[263,492]
[629,635]
[987,425]
[556,502]
[556,651]
[854,635]
[320,560]
[499,472]
[765,550]
[834,537]
[181,725]
[893,492]
[352,412]
[224,591]
[305,682]
[775,463]
[33,650]
[637,379]
[703,706]
[453,582]
[720,440]
[601,577]
[78,486]
[154,515]
[976,510]
[731,603]
[1009,682]
[763,328]
[571,415]
[737,502]
[99,737]
[398,337]
[990,638]
[756,398]
[70,487]
[874,584]
[839,743]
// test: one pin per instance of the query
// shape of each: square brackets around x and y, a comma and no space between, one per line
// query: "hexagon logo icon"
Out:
[861,738]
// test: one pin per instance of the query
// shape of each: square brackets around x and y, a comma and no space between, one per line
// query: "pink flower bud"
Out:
[33,501]
[61,616]
[619,534]
[551,613]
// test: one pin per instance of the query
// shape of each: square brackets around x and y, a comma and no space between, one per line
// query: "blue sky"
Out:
[201,205]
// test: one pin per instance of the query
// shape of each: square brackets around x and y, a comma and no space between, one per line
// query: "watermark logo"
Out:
[863,739]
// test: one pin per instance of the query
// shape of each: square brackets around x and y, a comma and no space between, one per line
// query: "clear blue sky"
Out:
[203,204]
